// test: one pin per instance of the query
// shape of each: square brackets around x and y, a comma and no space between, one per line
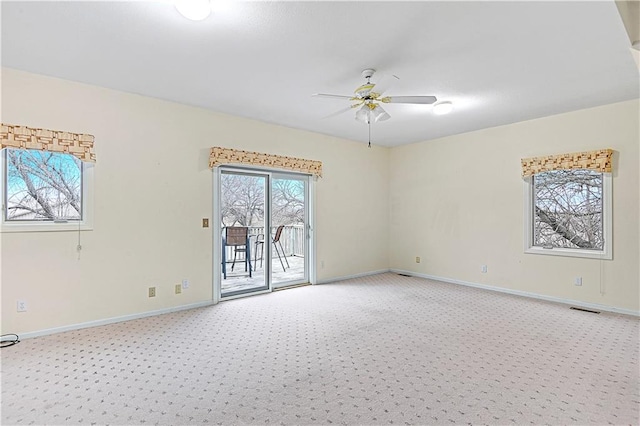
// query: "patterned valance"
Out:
[599,161]
[221,156]
[79,145]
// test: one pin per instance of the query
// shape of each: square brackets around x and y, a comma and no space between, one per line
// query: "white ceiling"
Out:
[498,62]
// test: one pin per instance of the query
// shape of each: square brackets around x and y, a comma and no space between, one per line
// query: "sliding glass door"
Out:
[243,217]
[289,227]
[264,230]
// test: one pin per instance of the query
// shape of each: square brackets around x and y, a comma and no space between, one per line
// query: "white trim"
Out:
[112,320]
[217,198]
[214,223]
[348,277]
[311,232]
[307,181]
[269,174]
[607,218]
[247,294]
[576,303]
[123,318]
[267,247]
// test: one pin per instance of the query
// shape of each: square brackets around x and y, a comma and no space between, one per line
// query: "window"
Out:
[569,213]
[44,190]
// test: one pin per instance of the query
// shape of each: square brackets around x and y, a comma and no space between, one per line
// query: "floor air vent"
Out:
[584,310]
[404,275]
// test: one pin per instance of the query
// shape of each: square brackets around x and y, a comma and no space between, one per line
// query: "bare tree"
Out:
[288,202]
[43,185]
[242,200]
[568,209]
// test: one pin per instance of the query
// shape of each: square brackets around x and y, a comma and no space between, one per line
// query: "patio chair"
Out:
[276,241]
[238,238]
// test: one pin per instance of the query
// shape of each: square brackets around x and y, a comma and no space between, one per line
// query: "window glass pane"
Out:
[288,205]
[568,209]
[242,200]
[42,186]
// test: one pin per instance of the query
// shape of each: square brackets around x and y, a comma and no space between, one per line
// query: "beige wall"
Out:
[152,188]
[457,202]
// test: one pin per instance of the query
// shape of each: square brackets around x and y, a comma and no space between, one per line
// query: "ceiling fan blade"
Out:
[385,82]
[425,100]
[342,111]
[325,95]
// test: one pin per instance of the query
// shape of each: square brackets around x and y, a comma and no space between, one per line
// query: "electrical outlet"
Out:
[152,292]
[577,281]
[178,288]
[185,283]
[22,306]
[417,259]
[483,269]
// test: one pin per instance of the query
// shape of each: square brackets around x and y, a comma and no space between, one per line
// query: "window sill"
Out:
[587,254]
[45,227]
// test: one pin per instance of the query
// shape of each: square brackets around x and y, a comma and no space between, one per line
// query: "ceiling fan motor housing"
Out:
[368,73]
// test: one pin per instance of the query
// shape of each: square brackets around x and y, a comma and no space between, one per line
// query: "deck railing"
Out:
[292,239]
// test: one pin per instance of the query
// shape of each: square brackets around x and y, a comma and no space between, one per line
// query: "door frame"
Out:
[266,284]
[310,263]
[307,179]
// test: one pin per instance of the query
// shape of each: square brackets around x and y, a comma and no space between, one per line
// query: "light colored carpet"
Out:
[374,350]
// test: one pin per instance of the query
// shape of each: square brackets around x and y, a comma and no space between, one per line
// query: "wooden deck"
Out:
[238,279]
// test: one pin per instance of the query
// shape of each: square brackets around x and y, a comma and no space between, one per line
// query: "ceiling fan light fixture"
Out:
[379,114]
[196,10]
[442,108]
[364,114]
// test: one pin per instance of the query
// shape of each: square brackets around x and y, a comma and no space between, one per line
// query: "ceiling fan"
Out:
[368,99]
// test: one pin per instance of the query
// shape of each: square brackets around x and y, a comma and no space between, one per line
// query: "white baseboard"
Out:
[112,320]
[577,303]
[348,277]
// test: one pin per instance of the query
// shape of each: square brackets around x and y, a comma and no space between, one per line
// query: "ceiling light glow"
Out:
[441,108]
[196,10]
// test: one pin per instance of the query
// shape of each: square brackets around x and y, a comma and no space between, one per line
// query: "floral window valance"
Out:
[599,161]
[221,156]
[79,145]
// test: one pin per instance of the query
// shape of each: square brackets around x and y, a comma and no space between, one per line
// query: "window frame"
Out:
[85,224]
[607,224]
